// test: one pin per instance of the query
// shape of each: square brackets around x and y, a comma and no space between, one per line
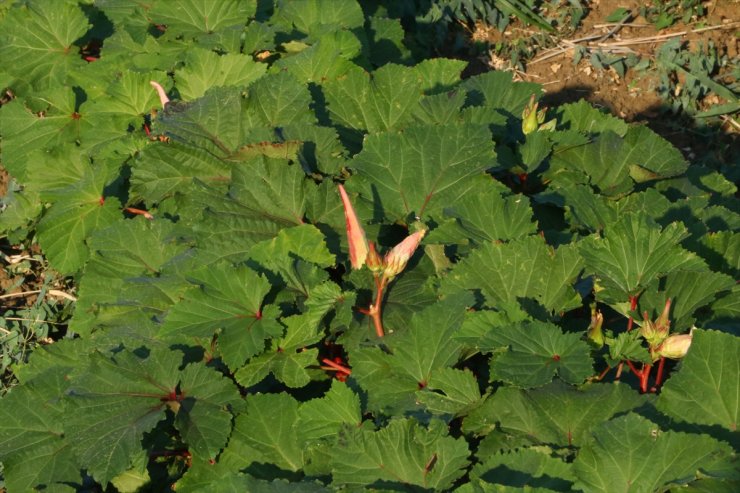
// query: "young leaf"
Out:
[402,453]
[288,357]
[705,389]
[631,453]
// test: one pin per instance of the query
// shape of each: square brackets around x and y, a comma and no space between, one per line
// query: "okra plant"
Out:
[555,308]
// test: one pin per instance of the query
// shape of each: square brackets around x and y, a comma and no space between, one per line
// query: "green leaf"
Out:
[705,389]
[583,117]
[268,427]
[329,58]
[288,357]
[450,392]
[38,42]
[559,414]
[423,169]
[495,89]
[630,453]
[164,170]
[402,453]
[721,250]
[204,417]
[323,417]
[486,217]
[33,448]
[537,352]
[230,300]
[612,162]
[382,100]
[583,207]
[272,188]
[319,15]
[198,17]
[418,352]
[633,252]
[526,467]
[523,268]
[688,291]
[54,123]
[128,99]
[205,69]
[113,403]
[305,242]
[228,228]
[534,150]
[66,225]
[628,346]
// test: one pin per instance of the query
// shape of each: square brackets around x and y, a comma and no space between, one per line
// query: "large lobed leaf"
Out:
[706,389]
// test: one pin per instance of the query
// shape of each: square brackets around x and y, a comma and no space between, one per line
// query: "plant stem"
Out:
[630,321]
[336,366]
[659,375]
[633,307]
[375,310]
[644,378]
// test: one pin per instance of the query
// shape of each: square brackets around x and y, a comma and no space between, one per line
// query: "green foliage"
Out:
[221,343]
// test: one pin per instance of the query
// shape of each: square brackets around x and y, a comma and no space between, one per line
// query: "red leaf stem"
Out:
[659,375]
[336,366]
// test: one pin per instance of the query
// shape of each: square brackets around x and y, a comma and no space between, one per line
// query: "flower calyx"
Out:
[656,332]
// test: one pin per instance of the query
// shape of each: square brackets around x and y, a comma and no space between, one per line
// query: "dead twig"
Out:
[617,46]
[52,292]
[652,39]
[616,28]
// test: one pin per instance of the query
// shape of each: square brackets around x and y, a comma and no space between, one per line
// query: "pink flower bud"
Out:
[675,346]
[160,91]
[398,257]
[358,248]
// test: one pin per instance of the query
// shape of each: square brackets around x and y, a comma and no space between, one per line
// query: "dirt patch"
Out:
[634,96]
